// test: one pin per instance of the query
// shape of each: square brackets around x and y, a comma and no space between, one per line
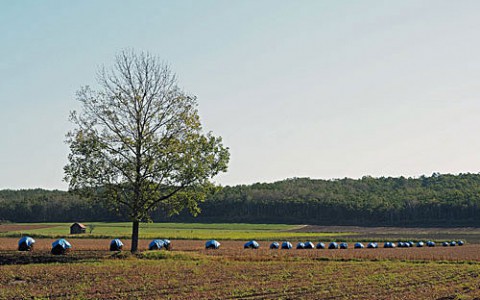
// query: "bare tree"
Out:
[138,142]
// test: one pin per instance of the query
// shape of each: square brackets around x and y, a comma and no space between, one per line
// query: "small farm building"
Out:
[77,228]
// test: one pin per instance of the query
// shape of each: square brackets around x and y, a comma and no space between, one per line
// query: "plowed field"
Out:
[17,227]
[95,248]
[189,271]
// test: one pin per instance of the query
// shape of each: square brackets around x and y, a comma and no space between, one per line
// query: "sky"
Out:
[319,89]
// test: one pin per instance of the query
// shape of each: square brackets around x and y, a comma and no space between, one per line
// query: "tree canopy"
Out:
[437,200]
[138,142]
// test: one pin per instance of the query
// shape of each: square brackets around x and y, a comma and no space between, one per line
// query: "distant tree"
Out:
[91,228]
[138,142]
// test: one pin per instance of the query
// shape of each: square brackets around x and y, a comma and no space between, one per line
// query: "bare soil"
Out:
[93,249]
[16,227]
[189,271]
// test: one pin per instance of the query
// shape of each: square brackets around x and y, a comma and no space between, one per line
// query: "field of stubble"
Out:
[189,271]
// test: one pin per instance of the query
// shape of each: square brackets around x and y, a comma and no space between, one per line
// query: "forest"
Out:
[437,200]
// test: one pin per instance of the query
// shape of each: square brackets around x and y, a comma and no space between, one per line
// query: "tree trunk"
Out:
[134,237]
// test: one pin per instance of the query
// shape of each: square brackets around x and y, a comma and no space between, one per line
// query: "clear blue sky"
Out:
[324,89]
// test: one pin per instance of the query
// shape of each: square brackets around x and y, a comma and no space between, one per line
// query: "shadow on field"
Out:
[40,257]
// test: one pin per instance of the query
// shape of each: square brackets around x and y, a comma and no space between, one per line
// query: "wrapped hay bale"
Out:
[389,245]
[167,244]
[26,243]
[287,245]
[333,245]
[358,246]
[212,244]
[274,245]
[251,245]
[60,247]
[116,245]
[309,245]
[156,245]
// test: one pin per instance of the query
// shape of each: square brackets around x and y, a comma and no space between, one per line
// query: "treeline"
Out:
[39,205]
[438,200]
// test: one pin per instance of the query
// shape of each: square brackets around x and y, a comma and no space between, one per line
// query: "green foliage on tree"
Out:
[138,142]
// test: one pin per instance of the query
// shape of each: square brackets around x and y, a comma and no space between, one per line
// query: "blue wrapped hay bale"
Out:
[430,244]
[274,245]
[156,245]
[251,245]
[453,243]
[445,244]
[420,244]
[60,246]
[372,245]
[320,245]
[212,244]
[116,245]
[167,244]
[343,246]
[287,245]
[26,244]
[358,246]
[333,245]
[309,245]
[300,245]
[389,245]
[460,243]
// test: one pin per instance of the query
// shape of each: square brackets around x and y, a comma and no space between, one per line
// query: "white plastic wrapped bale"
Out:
[212,244]
[26,243]
[61,246]
[116,245]
[287,245]
[156,245]
[251,245]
